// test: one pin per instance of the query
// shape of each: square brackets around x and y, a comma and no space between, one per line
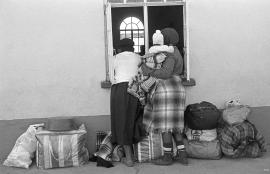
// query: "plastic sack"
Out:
[61,149]
[201,135]
[235,114]
[24,149]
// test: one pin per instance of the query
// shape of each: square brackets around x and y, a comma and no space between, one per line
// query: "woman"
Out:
[124,107]
[164,111]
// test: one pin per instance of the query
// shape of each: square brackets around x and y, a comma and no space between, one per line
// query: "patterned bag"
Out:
[61,149]
[108,151]
[201,135]
[150,148]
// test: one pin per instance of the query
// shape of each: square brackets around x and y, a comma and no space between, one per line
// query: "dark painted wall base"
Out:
[10,130]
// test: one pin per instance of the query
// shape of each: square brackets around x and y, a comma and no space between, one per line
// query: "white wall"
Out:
[52,55]
[230,48]
[52,58]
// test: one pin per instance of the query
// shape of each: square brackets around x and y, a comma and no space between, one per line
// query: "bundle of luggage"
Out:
[201,122]
[59,143]
[238,136]
[210,133]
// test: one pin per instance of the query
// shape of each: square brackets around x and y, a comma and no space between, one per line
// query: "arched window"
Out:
[132,28]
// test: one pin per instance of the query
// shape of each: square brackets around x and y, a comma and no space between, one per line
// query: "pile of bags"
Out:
[201,122]
[60,144]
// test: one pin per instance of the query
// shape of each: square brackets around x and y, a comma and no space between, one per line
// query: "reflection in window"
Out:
[132,28]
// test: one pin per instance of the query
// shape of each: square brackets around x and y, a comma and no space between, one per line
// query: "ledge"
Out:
[106,84]
[190,82]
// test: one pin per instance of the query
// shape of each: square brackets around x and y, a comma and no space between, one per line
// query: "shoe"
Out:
[165,160]
[181,157]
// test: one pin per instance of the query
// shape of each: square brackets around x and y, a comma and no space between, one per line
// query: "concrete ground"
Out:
[196,166]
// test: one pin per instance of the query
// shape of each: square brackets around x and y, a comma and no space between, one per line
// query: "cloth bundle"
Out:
[241,140]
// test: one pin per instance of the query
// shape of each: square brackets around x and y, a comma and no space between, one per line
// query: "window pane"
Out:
[128,27]
[135,20]
[122,35]
[122,26]
[134,26]
[128,34]
[140,25]
[141,41]
[127,20]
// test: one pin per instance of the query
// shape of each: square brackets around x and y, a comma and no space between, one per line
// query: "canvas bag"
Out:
[202,116]
[61,149]
[150,148]
[203,149]
[201,135]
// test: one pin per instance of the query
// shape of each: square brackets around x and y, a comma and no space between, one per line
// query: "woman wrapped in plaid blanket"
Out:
[164,111]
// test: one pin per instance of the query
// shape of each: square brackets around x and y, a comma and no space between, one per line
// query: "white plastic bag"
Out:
[24,149]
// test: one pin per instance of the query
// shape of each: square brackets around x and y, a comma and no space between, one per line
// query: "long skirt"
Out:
[125,110]
[164,111]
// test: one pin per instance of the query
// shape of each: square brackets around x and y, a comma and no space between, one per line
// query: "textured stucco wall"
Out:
[52,59]
[229,51]
[52,56]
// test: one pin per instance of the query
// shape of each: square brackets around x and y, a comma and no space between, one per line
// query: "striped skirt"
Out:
[164,111]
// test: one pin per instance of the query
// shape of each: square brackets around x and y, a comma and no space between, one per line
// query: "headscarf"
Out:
[170,35]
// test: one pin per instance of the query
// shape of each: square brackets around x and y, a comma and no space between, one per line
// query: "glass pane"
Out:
[136,49]
[128,27]
[122,35]
[141,41]
[134,26]
[128,34]
[140,25]
[136,41]
[122,26]
[135,20]
[141,34]
[127,20]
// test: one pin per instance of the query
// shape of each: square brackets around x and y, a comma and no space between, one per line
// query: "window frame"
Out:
[109,52]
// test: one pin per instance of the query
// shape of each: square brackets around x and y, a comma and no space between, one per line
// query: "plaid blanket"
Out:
[164,111]
[107,150]
[241,140]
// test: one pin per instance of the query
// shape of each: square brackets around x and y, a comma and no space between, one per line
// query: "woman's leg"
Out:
[166,159]
[181,151]
[129,156]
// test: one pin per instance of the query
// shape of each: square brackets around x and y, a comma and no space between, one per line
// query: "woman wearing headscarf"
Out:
[124,107]
[164,110]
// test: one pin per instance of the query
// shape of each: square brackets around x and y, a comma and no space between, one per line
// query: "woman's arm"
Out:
[164,72]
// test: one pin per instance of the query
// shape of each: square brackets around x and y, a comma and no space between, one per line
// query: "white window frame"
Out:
[109,52]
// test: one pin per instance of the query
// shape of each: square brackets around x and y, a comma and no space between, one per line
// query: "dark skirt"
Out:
[125,111]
